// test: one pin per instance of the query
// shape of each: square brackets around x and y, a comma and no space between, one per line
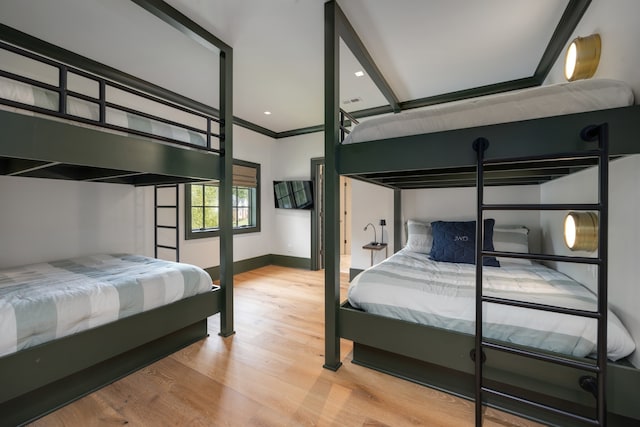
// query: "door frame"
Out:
[317,257]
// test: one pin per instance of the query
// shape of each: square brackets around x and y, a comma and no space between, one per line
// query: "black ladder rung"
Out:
[559,360]
[539,405]
[569,155]
[157,210]
[542,207]
[167,247]
[590,156]
[544,257]
[542,307]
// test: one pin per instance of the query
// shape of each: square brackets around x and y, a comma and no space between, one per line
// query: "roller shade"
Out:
[245,176]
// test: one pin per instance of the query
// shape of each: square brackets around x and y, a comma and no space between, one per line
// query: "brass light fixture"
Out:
[581,231]
[583,56]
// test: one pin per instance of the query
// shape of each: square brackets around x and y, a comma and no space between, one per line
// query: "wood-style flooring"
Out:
[269,374]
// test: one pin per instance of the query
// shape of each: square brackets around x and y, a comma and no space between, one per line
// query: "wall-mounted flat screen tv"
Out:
[293,194]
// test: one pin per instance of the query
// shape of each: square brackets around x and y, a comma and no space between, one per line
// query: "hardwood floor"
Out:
[268,374]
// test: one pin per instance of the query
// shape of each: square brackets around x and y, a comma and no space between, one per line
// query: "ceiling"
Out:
[423,48]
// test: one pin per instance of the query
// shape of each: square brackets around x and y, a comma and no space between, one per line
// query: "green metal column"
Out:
[397,220]
[331,187]
[226,184]
[199,35]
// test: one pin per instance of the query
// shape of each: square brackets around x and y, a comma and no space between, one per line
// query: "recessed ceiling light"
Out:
[268,113]
[359,73]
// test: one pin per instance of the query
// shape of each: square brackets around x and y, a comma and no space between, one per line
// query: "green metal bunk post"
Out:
[198,34]
[336,27]
[397,220]
[331,188]
[226,210]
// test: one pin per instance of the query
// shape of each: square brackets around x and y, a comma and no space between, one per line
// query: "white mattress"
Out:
[42,302]
[410,286]
[35,96]
[543,101]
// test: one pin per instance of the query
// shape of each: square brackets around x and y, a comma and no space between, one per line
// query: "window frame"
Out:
[215,232]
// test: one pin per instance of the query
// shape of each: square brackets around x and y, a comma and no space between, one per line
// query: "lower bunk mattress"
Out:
[410,286]
[44,301]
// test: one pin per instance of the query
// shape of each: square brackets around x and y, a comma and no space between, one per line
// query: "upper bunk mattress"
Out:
[45,301]
[410,286]
[543,101]
[37,97]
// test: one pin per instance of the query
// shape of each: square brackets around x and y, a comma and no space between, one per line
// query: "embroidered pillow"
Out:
[455,241]
[419,236]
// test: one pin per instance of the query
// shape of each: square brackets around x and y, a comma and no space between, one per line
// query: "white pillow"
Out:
[419,236]
[511,239]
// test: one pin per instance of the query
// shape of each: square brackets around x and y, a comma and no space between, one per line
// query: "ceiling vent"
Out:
[352,100]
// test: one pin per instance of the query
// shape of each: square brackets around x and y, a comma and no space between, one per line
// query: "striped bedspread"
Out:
[410,286]
[42,302]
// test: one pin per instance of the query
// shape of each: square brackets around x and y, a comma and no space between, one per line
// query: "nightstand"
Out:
[374,247]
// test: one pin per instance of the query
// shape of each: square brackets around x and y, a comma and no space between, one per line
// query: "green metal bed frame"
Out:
[409,350]
[440,358]
[41,379]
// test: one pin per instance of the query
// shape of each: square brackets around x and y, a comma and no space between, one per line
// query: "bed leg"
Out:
[333,368]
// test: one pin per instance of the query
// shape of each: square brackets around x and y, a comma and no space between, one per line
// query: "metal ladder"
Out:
[597,134]
[160,225]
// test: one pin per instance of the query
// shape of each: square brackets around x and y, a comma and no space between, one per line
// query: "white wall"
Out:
[92,217]
[372,203]
[460,204]
[44,220]
[369,204]
[624,235]
[617,23]
[291,159]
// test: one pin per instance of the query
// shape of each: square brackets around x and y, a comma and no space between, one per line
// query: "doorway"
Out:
[317,219]
[345,224]
[317,215]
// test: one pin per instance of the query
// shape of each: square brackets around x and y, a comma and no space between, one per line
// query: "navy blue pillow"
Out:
[455,241]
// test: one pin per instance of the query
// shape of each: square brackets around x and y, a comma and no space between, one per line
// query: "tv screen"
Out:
[293,194]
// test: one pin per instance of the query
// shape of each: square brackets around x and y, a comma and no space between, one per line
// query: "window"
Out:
[203,206]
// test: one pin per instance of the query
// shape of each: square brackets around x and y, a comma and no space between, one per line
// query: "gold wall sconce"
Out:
[583,56]
[581,231]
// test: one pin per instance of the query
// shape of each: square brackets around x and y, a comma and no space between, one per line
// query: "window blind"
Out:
[245,176]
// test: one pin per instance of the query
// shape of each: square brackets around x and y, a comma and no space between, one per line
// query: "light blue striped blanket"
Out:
[42,302]
[410,286]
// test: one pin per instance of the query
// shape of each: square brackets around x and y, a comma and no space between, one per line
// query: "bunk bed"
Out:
[408,349]
[529,149]
[61,131]
[379,340]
